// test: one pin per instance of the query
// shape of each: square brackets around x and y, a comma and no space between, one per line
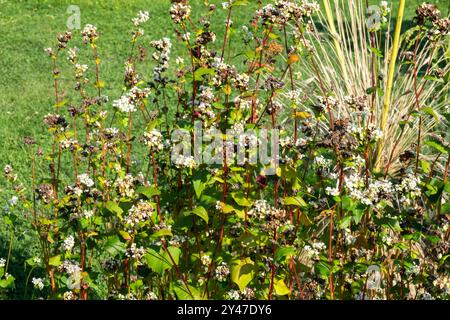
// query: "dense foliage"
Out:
[351,204]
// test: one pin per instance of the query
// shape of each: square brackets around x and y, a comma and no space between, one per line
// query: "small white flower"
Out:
[38,283]
[69,295]
[179,60]
[2,262]
[154,139]
[151,296]
[80,70]
[233,295]
[13,201]
[124,105]
[86,180]
[68,244]
[141,18]
[88,214]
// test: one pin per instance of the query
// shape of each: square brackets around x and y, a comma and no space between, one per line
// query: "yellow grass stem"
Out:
[390,79]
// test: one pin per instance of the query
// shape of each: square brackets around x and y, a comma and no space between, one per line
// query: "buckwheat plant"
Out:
[132,204]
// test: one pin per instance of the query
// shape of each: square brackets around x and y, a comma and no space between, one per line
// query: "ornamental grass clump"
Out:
[253,166]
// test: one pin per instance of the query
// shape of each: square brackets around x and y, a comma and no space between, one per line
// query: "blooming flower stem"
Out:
[130,124]
[291,77]
[253,65]
[230,9]
[97,68]
[291,266]
[55,84]
[155,182]
[272,273]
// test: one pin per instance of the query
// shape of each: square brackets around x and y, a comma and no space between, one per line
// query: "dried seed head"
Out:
[29,141]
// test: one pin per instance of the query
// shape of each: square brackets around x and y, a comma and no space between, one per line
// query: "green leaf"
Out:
[7,283]
[162,233]
[182,292]
[114,208]
[200,72]
[437,145]
[241,200]
[425,165]
[202,213]
[199,187]
[357,215]
[240,3]
[114,246]
[149,192]
[431,112]
[226,208]
[280,287]
[377,52]
[55,261]
[242,272]
[125,235]
[159,262]
[323,268]
[284,252]
[295,201]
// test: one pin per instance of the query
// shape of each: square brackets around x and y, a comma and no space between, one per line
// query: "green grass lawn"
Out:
[29,26]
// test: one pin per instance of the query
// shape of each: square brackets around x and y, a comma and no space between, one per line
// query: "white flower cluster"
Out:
[127,103]
[334,192]
[141,18]
[313,250]
[88,214]
[177,240]
[162,56]
[233,295]
[68,144]
[349,237]
[260,209]
[222,272]
[248,140]
[375,191]
[70,267]
[241,81]
[204,107]
[180,12]
[2,262]
[125,186]
[72,54]
[205,260]
[69,295]
[295,97]
[80,70]
[38,283]
[135,253]
[154,139]
[68,243]
[124,104]
[409,189]
[140,212]
[85,180]
[246,294]
[322,162]
[182,161]
[89,33]
[151,296]
[13,201]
